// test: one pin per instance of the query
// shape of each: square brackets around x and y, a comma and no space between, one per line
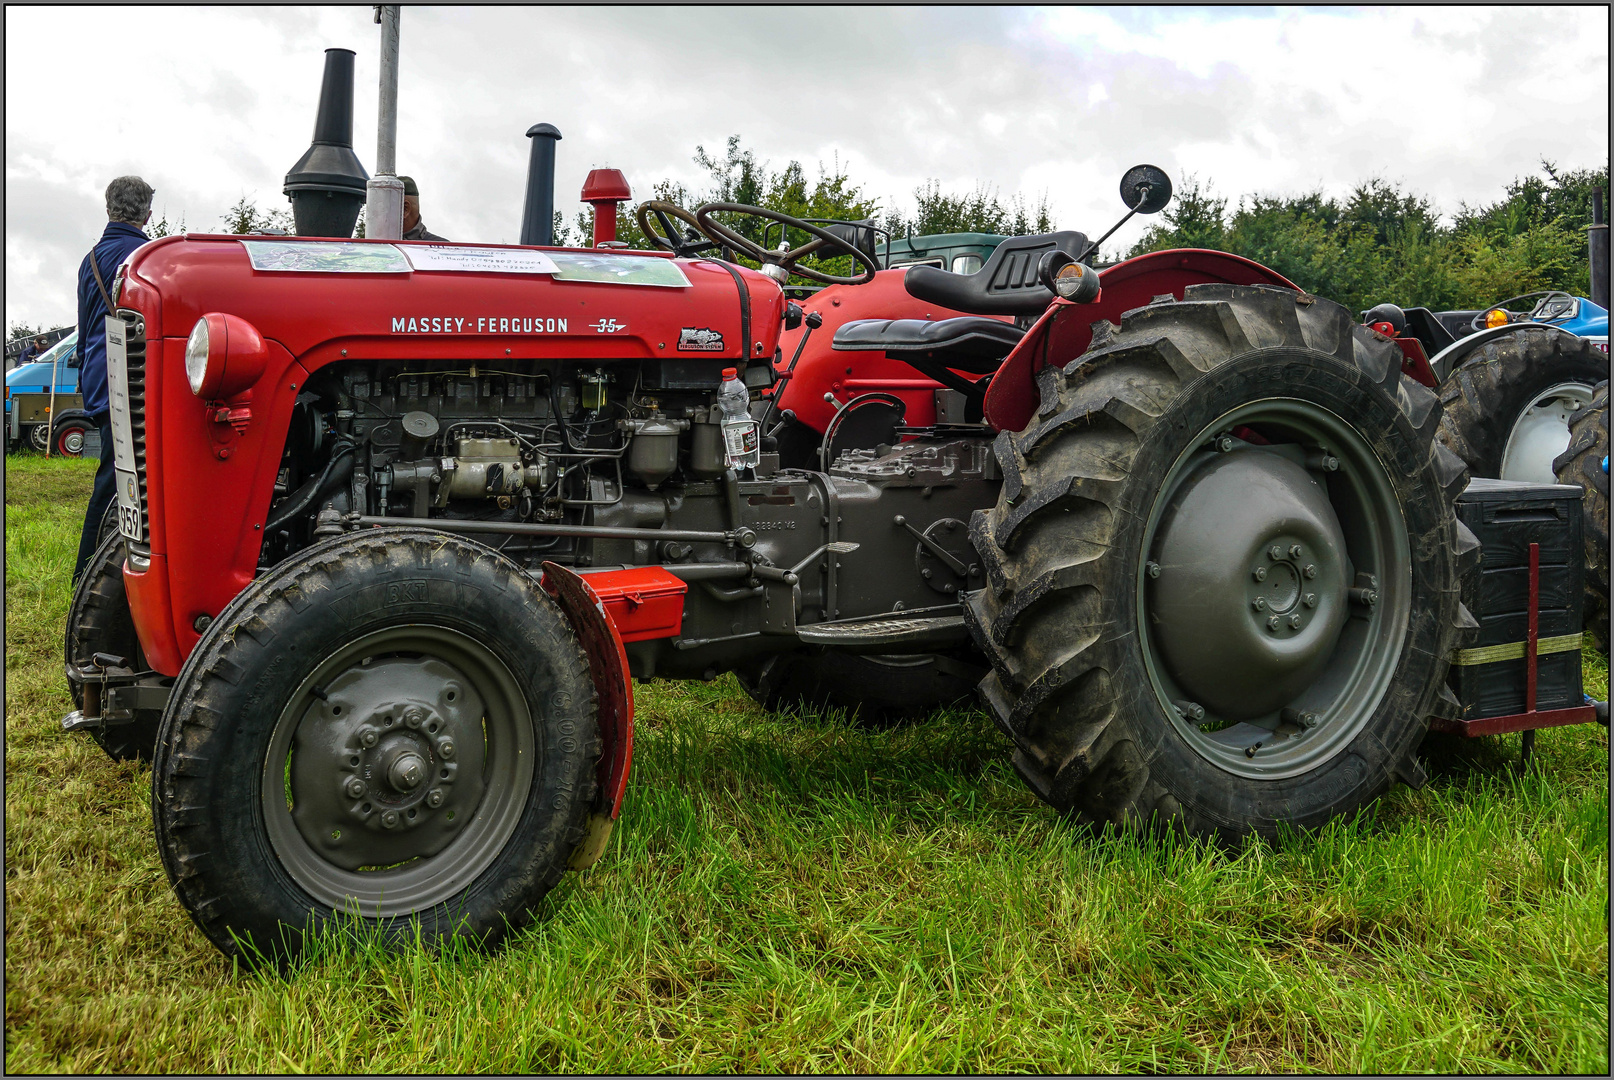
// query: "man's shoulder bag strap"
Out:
[100,283]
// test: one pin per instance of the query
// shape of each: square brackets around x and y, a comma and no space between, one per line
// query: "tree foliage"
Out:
[1384,244]
[245,217]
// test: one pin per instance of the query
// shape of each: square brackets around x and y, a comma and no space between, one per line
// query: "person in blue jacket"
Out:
[128,208]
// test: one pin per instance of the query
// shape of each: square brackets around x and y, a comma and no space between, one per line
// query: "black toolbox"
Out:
[1488,676]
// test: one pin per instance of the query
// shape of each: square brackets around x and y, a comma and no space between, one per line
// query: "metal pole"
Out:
[383,214]
[50,413]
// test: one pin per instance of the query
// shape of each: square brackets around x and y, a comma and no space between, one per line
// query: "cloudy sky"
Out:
[209,104]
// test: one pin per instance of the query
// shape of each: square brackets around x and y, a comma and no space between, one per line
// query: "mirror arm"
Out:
[1092,245]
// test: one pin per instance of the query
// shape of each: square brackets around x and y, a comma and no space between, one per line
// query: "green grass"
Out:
[801,895]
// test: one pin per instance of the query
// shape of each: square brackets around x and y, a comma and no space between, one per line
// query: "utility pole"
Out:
[383,215]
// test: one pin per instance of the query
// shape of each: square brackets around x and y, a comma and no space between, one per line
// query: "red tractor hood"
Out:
[317,297]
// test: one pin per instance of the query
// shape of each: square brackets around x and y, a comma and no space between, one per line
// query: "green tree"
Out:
[245,217]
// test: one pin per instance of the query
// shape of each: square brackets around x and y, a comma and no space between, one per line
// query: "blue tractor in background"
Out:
[36,418]
[1524,389]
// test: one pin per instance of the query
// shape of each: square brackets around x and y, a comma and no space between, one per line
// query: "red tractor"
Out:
[399,524]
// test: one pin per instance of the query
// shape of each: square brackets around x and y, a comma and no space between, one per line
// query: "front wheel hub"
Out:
[1251,593]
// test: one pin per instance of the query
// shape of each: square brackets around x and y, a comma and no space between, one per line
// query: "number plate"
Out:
[117,383]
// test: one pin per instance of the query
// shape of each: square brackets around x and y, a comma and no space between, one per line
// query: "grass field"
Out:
[789,895]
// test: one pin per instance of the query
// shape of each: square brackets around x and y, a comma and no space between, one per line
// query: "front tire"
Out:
[1585,464]
[70,436]
[1506,409]
[1223,569]
[99,621]
[397,726]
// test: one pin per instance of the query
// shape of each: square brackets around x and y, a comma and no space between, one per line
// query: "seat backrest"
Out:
[1006,285]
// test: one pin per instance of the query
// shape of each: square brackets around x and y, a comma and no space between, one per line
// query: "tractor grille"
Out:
[137,409]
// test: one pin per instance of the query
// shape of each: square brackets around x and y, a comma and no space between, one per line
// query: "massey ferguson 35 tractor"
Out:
[399,524]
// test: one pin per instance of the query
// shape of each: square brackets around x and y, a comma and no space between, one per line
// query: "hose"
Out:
[305,496]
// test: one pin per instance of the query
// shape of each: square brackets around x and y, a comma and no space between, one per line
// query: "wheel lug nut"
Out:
[1259,573]
[1153,569]
[1191,710]
[1294,621]
[1224,443]
[1272,623]
[368,736]
[355,788]
[1310,599]
[445,747]
[413,717]
[1259,603]
[389,819]
[1274,552]
[1295,551]
[434,798]
[1310,571]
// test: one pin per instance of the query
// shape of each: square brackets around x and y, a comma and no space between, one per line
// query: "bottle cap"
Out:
[730,373]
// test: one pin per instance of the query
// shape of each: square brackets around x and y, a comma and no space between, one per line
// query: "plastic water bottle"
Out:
[742,441]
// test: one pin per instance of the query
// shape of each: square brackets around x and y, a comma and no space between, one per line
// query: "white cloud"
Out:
[218,102]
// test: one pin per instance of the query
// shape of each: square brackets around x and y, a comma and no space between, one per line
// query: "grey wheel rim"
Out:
[1275,587]
[1541,432]
[398,771]
[39,437]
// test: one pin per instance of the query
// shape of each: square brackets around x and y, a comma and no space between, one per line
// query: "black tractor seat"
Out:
[969,343]
[936,348]
[1006,285]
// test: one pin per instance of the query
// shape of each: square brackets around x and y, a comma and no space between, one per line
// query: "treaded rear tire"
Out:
[1483,399]
[99,620]
[1060,618]
[207,790]
[1582,465]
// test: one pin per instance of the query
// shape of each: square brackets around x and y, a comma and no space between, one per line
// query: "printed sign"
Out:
[479,260]
[618,269]
[123,455]
[327,257]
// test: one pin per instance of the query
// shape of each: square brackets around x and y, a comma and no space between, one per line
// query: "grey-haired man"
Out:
[128,208]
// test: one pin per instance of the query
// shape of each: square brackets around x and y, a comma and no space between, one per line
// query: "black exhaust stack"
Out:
[1597,243]
[327,185]
[538,215]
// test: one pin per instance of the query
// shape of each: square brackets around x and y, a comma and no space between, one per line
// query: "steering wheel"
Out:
[1554,304]
[683,244]
[779,265]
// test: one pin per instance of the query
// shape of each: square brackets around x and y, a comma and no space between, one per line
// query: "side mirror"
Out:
[1145,189]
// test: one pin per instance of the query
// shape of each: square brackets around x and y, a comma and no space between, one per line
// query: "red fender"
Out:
[1066,329]
[604,609]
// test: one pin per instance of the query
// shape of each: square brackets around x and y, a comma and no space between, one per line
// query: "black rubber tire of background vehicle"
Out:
[207,777]
[64,431]
[873,691]
[1582,465]
[99,621]
[1483,398]
[1060,618]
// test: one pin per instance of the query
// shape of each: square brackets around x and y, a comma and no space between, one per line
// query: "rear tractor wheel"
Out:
[1506,409]
[1585,464]
[395,726]
[1223,570]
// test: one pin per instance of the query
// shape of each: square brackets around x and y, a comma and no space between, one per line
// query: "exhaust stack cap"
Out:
[327,185]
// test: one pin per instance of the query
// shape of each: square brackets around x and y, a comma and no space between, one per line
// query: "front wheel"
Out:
[1585,464]
[1223,570]
[1506,409]
[394,726]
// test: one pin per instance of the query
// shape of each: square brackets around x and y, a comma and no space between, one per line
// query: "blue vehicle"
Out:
[34,421]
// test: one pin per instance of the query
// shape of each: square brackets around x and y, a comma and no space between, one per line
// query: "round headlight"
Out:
[196,355]
[224,357]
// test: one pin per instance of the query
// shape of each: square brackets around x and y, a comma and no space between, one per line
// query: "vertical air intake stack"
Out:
[1597,242]
[327,185]
[538,215]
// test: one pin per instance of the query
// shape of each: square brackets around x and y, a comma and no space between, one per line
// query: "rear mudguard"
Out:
[1066,329]
[601,637]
